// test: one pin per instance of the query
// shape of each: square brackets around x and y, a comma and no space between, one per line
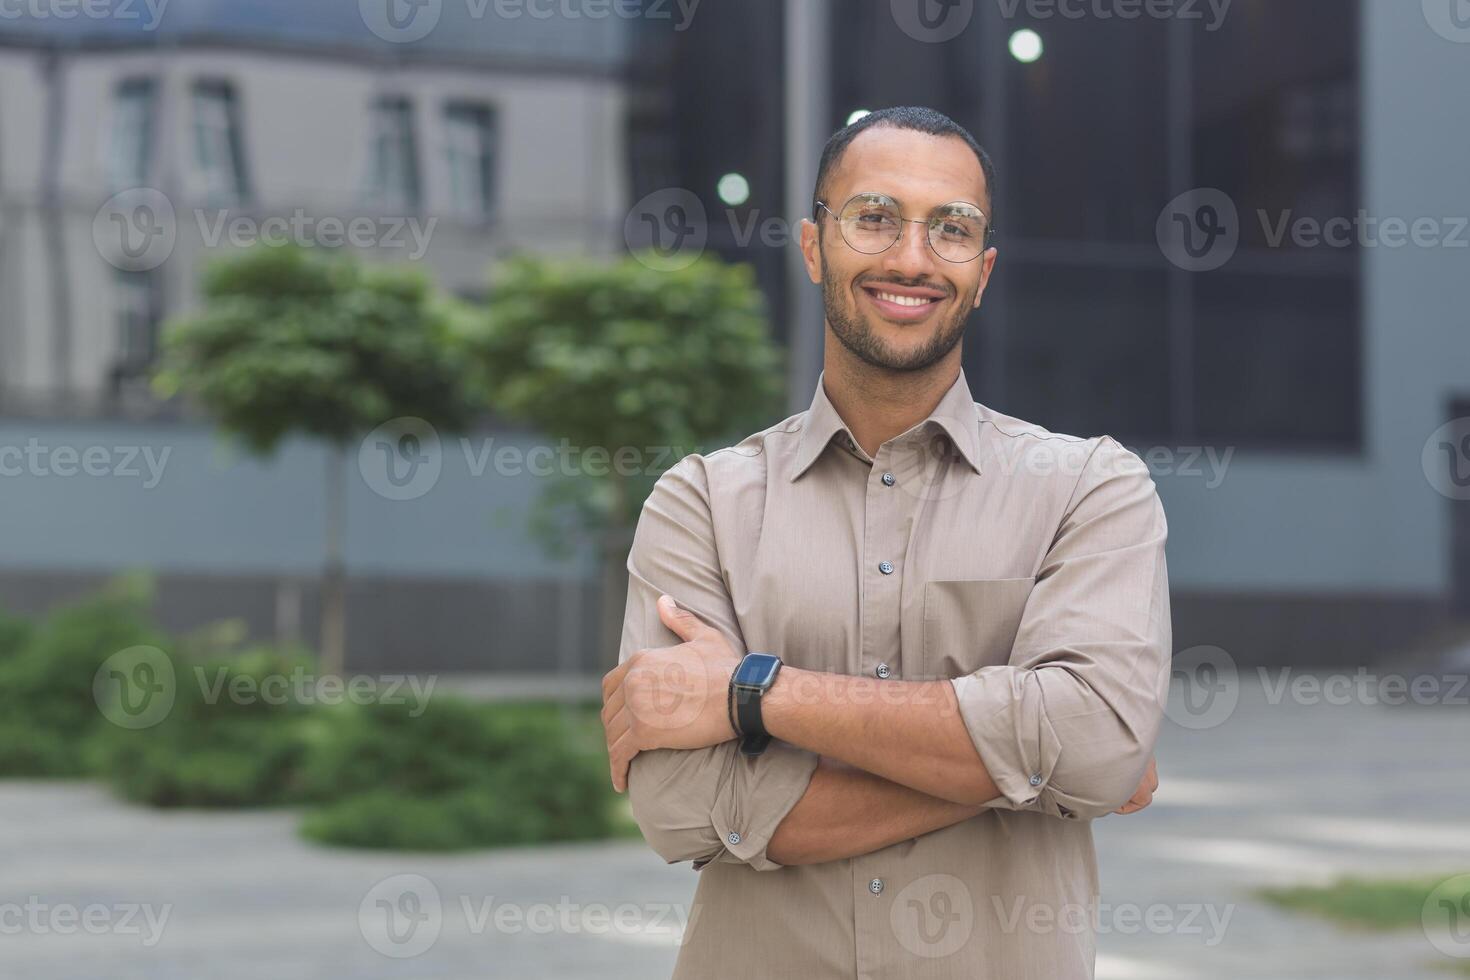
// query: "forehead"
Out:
[920,170]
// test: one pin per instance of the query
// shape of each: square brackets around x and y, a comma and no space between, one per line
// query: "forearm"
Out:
[847,812]
[908,732]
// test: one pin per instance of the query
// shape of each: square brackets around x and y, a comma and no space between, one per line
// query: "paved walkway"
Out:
[1278,793]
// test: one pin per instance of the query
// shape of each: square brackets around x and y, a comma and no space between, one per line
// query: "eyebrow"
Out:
[933,210]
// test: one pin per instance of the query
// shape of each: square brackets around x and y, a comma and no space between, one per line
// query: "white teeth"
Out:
[904,300]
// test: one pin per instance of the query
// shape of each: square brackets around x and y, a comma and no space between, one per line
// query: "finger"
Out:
[613,705]
[616,727]
[681,621]
[619,758]
[614,678]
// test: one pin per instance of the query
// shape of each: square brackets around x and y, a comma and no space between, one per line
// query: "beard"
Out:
[855,331]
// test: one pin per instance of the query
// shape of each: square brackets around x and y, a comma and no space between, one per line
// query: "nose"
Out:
[910,256]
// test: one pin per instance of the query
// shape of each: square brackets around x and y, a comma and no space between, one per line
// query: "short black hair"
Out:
[920,119]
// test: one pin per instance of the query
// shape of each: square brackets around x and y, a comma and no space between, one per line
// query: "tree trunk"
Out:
[334,577]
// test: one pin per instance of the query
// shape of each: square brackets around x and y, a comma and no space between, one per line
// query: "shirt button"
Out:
[883,671]
[886,567]
[888,480]
[734,838]
[876,886]
[1036,779]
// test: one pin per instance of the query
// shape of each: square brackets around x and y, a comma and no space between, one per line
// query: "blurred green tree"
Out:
[287,343]
[633,368]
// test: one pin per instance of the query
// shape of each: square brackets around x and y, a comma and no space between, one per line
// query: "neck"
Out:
[879,403]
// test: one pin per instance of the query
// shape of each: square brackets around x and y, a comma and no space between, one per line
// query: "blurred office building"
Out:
[1159,178]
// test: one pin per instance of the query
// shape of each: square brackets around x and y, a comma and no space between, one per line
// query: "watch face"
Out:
[757,670]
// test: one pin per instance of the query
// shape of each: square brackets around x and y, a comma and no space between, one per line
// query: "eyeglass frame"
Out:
[984,247]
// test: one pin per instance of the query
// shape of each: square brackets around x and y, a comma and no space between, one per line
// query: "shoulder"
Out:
[744,464]
[1065,463]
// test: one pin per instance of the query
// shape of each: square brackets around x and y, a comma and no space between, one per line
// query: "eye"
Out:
[876,219]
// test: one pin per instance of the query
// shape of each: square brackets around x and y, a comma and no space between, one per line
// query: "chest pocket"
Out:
[970,623]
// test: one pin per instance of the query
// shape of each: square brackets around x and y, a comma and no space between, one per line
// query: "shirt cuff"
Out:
[764,789]
[1002,709]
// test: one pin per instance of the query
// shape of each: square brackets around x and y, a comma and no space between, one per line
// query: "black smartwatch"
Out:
[751,680]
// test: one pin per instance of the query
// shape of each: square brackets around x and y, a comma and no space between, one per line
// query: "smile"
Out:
[903,302]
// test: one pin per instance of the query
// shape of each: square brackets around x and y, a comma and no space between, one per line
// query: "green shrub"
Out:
[458,775]
[47,708]
[214,749]
[15,632]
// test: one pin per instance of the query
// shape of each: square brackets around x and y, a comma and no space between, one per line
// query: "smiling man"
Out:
[883,662]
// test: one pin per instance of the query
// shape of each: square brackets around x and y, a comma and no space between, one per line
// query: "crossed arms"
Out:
[1066,728]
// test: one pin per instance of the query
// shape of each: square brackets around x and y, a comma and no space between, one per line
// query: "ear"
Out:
[987,263]
[811,246]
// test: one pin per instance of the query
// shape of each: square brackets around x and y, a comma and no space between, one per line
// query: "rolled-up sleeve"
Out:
[1068,725]
[705,804]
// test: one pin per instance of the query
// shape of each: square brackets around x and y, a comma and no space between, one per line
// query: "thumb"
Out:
[681,621]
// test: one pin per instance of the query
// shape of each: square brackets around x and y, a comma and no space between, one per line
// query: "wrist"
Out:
[779,705]
[730,715]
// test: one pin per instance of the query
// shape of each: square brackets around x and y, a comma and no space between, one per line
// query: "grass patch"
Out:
[1363,903]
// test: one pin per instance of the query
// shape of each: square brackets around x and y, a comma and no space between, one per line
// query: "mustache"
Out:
[910,283]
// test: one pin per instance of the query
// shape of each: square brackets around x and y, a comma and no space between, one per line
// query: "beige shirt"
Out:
[1025,566]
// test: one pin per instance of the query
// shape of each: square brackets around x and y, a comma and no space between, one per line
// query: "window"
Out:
[218,155]
[130,147]
[1093,330]
[470,140]
[137,318]
[393,169]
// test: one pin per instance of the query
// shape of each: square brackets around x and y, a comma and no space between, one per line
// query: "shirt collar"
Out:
[955,415]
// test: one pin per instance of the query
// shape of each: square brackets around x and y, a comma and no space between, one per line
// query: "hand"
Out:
[669,698]
[1144,795]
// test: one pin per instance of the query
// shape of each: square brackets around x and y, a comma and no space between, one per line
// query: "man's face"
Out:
[904,308]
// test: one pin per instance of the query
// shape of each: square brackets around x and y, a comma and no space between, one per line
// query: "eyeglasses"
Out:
[872,223]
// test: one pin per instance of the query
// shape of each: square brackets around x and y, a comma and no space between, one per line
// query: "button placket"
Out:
[884,546]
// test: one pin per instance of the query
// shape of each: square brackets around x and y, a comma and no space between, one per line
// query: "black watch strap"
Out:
[748,713]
